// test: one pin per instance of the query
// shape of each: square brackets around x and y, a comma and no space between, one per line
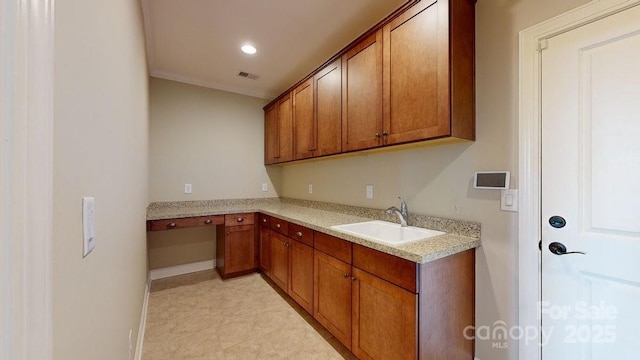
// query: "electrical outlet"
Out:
[264,187]
[310,188]
[369,191]
[187,188]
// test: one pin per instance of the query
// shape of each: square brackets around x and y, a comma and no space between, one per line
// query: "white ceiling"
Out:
[198,41]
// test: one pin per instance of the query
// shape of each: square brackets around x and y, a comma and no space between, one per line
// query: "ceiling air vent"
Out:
[245,74]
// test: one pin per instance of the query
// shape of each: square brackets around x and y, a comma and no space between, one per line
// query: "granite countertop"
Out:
[459,235]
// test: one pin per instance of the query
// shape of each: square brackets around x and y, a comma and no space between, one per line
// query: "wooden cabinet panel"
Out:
[447,291]
[271,145]
[301,274]
[396,270]
[264,220]
[239,249]
[301,233]
[280,226]
[280,260]
[416,68]
[278,131]
[285,129]
[265,250]
[362,94]
[239,219]
[384,319]
[333,246]
[332,296]
[328,88]
[183,223]
[303,121]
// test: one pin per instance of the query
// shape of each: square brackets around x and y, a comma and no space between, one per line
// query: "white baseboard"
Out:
[143,320]
[162,273]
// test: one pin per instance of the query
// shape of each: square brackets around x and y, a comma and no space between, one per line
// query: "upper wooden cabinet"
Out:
[408,79]
[317,114]
[428,72]
[328,109]
[304,133]
[362,94]
[278,131]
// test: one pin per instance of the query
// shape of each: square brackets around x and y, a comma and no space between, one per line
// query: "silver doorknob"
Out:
[559,249]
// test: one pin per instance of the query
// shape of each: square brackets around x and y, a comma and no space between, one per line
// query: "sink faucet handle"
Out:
[403,207]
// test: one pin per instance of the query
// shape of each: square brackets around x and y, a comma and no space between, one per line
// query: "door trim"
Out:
[529,218]
[26,179]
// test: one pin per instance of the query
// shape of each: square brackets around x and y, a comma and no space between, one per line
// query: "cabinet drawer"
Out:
[338,248]
[239,219]
[301,233]
[396,270]
[264,220]
[182,223]
[279,225]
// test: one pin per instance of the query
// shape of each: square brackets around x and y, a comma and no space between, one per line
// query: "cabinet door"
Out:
[304,133]
[271,135]
[328,87]
[416,82]
[301,274]
[265,250]
[332,296]
[384,319]
[285,129]
[362,94]
[240,249]
[280,260]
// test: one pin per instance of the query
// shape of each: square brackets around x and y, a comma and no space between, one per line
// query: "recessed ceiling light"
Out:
[248,49]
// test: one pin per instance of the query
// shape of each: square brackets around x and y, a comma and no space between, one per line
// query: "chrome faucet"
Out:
[403,213]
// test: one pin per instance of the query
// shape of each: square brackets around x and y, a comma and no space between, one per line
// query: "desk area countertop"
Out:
[319,216]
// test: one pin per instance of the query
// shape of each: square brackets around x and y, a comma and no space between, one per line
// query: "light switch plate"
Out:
[509,200]
[188,188]
[264,187]
[88,225]
[310,188]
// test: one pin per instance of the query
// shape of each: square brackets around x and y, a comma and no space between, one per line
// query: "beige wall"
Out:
[100,150]
[213,140]
[437,181]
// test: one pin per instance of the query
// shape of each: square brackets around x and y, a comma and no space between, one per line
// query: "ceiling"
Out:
[198,41]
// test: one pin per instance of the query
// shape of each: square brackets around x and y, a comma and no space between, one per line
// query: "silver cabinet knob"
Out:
[299,234]
[278,226]
[171,225]
[264,220]
[208,221]
[240,219]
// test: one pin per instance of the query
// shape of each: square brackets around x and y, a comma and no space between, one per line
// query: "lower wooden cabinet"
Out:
[301,274]
[265,249]
[236,250]
[384,319]
[377,305]
[332,296]
[236,246]
[280,260]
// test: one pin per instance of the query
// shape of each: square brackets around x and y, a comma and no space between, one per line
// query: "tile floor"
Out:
[199,316]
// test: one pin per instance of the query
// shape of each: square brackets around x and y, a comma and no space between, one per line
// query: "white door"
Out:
[591,191]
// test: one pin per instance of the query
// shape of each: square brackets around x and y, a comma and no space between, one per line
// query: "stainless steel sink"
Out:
[386,232]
